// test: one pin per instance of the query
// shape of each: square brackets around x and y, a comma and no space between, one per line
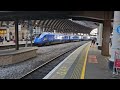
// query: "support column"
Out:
[30,30]
[106,33]
[100,29]
[97,36]
[54,31]
[43,29]
[115,39]
[16,35]
[39,30]
[8,31]
[35,30]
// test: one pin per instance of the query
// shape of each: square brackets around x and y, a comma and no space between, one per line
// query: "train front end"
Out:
[38,41]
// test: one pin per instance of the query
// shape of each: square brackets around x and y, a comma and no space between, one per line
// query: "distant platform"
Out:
[11,44]
[12,56]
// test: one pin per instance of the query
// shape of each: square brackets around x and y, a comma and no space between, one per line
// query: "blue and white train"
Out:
[47,38]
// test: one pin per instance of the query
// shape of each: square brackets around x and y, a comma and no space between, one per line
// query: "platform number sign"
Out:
[118,29]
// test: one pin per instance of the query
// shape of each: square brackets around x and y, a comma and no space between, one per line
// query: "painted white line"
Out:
[51,72]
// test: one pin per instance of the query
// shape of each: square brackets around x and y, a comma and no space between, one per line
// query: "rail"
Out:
[46,63]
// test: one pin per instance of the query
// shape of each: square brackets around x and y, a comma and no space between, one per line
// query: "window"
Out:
[38,36]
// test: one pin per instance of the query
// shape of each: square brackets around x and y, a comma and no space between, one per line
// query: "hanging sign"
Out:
[118,29]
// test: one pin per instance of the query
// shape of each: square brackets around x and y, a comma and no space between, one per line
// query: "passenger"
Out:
[14,41]
[1,39]
[23,39]
[110,41]
[93,42]
[5,38]
[12,38]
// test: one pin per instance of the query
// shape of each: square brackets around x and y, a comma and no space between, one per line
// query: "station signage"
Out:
[3,31]
[118,29]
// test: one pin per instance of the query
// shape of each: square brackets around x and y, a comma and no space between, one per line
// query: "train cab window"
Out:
[38,36]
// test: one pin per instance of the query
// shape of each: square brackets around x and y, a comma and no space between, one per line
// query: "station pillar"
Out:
[30,30]
[39,30]
[16,35]
[43,29]
[54,31]
[106,33]
[97,36]
[36,30]
[8,31]
[115,38]
[100,29]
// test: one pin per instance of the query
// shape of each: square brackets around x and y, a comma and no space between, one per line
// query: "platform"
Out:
[12,56]
[84,63]
[11,44]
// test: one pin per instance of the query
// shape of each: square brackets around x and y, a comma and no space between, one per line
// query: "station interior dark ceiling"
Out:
[56,20]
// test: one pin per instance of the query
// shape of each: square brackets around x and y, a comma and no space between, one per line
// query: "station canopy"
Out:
[61,21]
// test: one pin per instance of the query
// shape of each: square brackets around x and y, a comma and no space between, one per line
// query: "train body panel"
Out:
[85,38]
[49,38]
[44,38]
[74,38]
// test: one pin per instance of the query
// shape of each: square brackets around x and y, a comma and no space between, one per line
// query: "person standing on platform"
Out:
[93,42]
[1,39]
[5,38]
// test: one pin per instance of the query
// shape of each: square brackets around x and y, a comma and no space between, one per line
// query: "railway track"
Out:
[23,45]
[37,69]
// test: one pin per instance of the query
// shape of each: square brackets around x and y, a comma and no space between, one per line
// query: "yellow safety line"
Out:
[84,66]
[75,70]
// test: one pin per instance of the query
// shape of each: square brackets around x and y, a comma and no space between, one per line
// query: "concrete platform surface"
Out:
[84,63]
[13,51]
[61,70]
[12,43]
[12,56]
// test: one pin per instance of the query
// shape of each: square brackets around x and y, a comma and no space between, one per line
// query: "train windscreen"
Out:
[38,36]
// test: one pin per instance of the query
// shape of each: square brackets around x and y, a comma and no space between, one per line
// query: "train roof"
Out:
[44,33]
[49,33]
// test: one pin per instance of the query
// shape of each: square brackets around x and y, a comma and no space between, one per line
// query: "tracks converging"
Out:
[31,73]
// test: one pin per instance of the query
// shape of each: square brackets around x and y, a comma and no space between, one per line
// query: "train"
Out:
[47,38]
